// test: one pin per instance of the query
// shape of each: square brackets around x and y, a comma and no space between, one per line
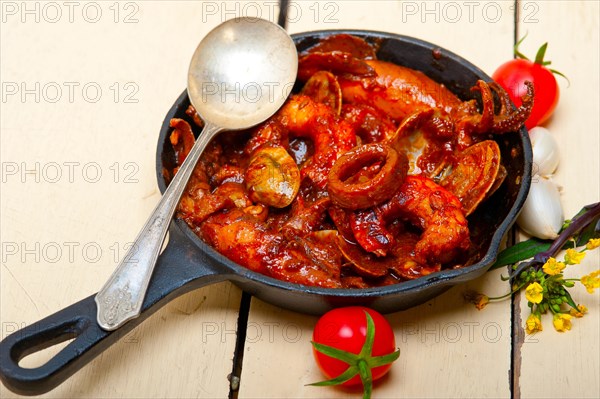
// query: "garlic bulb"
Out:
[545,151]
[542,214]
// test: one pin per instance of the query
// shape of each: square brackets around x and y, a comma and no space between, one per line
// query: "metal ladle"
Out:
[240,74]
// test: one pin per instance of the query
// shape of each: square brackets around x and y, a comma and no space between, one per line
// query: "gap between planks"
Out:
[516,340]
[515,309]
[244,312]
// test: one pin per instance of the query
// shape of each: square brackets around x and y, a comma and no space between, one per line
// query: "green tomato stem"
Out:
[366,377]
[360,364]
[517,53]
[539,57]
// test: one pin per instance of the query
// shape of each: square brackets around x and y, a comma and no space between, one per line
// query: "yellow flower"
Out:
[593,243]
[533,292]
[552,267]
[579,312]
[533,324]
[562,322]
[477,299]
[573,256]
[591,281]
[481,300]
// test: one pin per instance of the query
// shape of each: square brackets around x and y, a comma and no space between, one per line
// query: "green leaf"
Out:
[570,300]
[336,353]
[383,360]
[367,348]
[554,71]
[516,51]
[539,57]
[340,379]
[591,231]
[578,214]
[521,251]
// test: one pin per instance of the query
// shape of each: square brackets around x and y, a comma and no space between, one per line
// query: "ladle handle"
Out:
[180,268]
[121,297]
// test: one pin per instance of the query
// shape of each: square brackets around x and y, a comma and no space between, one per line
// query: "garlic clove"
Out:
[545,151]
[542,214]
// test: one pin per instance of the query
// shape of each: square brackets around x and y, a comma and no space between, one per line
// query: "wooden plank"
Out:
[64,223]
[571,29]
[449,349]
[442,340]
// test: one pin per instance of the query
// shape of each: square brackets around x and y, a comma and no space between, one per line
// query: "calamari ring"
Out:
[377,189]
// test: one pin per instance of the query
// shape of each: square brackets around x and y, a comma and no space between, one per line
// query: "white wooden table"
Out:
[85,87]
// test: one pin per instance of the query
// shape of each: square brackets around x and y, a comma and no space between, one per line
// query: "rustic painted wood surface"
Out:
[449,349]
[572,29]
[137,54]
[442,341]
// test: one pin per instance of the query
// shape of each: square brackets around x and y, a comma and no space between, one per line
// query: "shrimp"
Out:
[246,240]
[427,206]
[398,91]
[227,196]
[331,136]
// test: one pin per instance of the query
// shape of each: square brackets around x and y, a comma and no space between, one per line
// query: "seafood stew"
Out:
[188,263]
[350,185]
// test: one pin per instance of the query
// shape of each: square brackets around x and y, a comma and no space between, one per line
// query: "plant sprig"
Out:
[540,273]
[575,232]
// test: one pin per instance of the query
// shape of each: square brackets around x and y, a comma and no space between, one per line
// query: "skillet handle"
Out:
[179,269]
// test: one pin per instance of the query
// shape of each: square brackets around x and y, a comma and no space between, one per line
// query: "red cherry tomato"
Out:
[346,329]
[513,74]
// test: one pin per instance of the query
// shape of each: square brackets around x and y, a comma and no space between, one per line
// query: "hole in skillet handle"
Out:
[76,321]
[179,269]
[489,223]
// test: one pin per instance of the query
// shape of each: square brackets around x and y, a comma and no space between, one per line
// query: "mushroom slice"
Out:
[272,177]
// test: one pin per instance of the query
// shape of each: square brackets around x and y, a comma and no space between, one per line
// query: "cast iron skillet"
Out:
[188,263]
